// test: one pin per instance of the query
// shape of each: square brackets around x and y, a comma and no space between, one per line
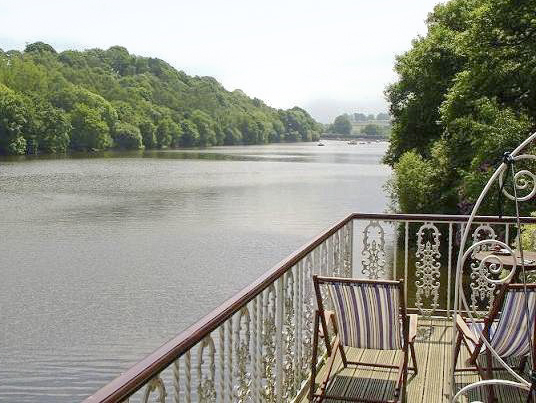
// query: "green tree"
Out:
[372,129]
[207,136]
[127,136]
[164,133]
[13,117]
[39,47]
[411,194]
[360,117]
[52,128]
[148,134]
[190,135]
[107,87]
[466,93]
[342,125]
[90,130]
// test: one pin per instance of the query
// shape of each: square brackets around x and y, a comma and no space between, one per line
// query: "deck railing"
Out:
[256,346]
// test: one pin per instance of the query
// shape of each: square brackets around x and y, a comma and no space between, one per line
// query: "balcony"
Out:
[256,346]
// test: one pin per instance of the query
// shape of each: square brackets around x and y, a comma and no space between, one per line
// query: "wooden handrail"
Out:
[138,375]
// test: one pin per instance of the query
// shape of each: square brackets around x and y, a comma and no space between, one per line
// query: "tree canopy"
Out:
[97,99]
[342,125]
[465,94]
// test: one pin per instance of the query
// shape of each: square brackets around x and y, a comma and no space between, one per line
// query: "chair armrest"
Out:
[412,327]
[462,327]
[329,316]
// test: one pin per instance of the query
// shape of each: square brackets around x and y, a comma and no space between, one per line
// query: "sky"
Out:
[330,56]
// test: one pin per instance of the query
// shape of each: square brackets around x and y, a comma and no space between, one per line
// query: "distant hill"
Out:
[98,99]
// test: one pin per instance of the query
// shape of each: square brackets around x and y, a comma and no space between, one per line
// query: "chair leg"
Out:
[522,364]
[343,356]
[400,390]
[457,350]
[489,375]
[413,358]
[312,387]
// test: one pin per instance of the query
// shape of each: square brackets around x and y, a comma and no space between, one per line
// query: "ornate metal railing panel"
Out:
[256,347]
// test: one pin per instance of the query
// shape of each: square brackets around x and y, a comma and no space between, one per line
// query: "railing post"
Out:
[406,262]
[258,360]
[222,363]
[280,304]
[176,381]
[230,359]
[254,349]
[351,246]
[449,275]
[395,249]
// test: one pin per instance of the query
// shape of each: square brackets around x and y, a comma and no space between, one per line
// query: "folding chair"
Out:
[367,314]
[505,329]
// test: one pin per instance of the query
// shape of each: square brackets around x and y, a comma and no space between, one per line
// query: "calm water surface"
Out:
[103,258]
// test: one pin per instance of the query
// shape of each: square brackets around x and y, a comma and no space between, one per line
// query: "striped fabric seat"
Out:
[510,338]
[508,334]
[367,315]
[479,327]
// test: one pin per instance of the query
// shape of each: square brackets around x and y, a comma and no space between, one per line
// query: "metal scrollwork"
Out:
[206,387]
[337,269]
[243,357]
[347,254]
[373,260]
[268,344]
[482,291]
[491,272]
[324,258]
[524,181]
[155,384]
[308,312]
[288,339]
[428,268]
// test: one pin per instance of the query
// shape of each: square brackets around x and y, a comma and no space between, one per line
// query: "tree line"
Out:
[361,124]
[97,99]
[465,94]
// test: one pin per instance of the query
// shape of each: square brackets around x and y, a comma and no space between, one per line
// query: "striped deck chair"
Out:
[505,327]
[366,314]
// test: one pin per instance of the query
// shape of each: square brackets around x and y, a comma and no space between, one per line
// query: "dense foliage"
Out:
[372,129]
[97,99]
[342,125]
[466,93]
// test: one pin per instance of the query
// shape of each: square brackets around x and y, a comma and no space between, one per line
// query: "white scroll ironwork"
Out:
[243,356]
[206,387]
[525,182]
[155,385]
[427,266]
[374,256]
[268,335]
[482,291]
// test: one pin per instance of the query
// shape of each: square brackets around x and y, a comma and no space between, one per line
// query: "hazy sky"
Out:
[329,56]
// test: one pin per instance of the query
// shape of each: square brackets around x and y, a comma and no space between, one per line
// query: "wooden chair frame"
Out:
[320,329]
[474,344]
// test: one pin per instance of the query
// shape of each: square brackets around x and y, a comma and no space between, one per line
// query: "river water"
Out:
[104,257]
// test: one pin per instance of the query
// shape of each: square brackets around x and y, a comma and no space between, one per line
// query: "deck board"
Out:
[431,384]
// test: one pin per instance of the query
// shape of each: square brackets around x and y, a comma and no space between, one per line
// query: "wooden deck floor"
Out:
[431,384]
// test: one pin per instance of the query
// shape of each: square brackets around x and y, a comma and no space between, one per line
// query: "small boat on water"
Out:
[352,143]
[320,144]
